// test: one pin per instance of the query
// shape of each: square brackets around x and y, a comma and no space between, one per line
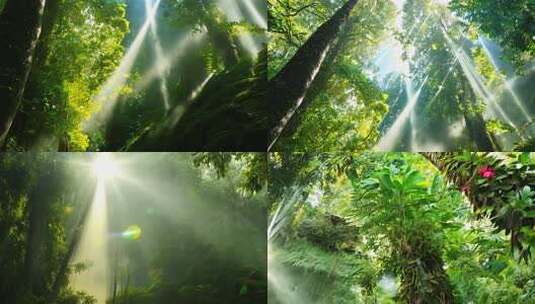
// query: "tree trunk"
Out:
[321,81]
[45,193]
[289,87]
[229,114]
[20,26]
[475,123]
[24,119]
[423,278]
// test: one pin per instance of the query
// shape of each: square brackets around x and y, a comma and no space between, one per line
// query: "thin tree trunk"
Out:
[23,121]
[50,18]
[289,87]
[20,27]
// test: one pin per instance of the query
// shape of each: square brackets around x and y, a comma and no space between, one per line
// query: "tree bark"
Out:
[423,265]
[23,121]
[321,81]
[289,87]
[20,27]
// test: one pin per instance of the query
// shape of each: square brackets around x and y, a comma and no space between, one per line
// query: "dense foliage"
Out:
[510,23]
[401,228]
[80,47]
[106,73]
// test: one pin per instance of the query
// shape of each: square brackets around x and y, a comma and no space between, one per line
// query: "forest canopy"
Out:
[401,75]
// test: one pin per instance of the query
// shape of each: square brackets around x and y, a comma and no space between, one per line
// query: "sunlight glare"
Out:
[132,233]
[104,167]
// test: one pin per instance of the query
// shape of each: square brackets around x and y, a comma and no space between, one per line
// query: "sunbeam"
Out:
[388,141]
[93,249]
[166,61]
[281,284]
[128,208]
[233,13]
[112,88]
[259,19]
[516,99]
[179,110]
[163,69]
[280,218]
[475,80]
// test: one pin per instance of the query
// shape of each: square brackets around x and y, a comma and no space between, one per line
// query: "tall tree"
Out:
[46,191]
[433,50]
[289,87]
[20,27]
[322,79]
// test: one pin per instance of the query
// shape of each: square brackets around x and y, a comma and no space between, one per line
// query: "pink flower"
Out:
[487,172]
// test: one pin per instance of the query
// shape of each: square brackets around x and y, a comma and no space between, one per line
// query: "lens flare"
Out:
[132,233]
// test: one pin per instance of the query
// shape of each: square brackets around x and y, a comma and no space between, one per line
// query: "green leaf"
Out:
[412,180]
[244,290]
[524,158]
[437,184]
[370,183]
[386,182]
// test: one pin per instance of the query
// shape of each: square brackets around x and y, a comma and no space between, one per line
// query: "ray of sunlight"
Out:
[516,99]
[233,13]
[112,88]
[388,141]
[475,80]
[163,69]
[281,284]
[259,19]
[176,53]
[93,248]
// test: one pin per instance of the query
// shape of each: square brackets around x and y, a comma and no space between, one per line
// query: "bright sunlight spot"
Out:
[104,167]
